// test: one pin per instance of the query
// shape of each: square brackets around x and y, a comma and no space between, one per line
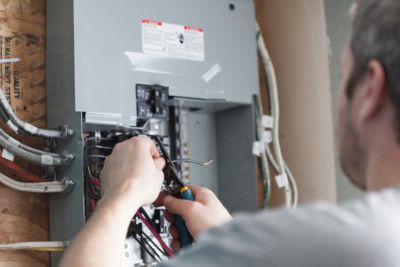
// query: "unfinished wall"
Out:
[24,216]
[295,32]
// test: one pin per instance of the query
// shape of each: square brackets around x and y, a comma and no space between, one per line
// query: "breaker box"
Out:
[183,70]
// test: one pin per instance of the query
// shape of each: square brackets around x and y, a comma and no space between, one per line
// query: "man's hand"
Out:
[131,177]
[200,215]
[133,171]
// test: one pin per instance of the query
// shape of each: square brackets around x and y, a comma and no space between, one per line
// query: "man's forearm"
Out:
[100,242]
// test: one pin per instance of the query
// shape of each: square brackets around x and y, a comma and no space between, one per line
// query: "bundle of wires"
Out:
[28,181]
[19,172]
[19,125]
[43,187]
[35,156]
[290,188]
[94,193]
[158,250]
[147,241]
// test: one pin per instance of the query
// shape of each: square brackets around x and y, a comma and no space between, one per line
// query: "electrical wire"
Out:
[19,172]
[144,213]
[36,246]
[265,173]
[154,244]
[271,158]
[35,156]
[155,234]
[147,240]
[274,102]
[49,249]
[197,162]
[27,148]
[288,172]
[145,246]
[44,187]
[17,124]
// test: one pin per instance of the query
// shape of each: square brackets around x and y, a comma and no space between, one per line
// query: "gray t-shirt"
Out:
[362,233]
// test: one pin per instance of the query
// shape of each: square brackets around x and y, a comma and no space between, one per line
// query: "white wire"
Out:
[27,127]
[18,149]
[274,99]
[289,174]
[9,60]
[263,156]
[34,245]
[45,187]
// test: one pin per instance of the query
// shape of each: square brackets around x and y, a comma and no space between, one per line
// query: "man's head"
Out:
[369,105]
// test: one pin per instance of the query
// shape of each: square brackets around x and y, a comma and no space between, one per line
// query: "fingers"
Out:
[169,217]
[176,205]
[152,146]
[146,143]
[175,245]
[160,199]
[202,194]
[160,163]
[173,231]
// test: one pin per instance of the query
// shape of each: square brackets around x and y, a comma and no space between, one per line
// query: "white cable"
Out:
[45,187]
[29,128]
[289,174]
[9,60]
[274,99]
[35,156]
[263,156]
[35,245]
[16,123]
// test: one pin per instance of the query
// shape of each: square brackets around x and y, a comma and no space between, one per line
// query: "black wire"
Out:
[144,213]
[155,245]
[149,245]
[144,247]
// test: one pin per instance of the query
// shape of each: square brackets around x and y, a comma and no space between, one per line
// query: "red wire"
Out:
[156,235]
[20,172]
[95,181]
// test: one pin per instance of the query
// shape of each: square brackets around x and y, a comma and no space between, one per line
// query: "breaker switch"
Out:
[151,101]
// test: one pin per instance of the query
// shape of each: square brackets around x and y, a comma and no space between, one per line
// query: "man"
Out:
[363,233]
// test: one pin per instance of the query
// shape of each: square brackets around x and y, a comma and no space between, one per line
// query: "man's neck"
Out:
[383,167]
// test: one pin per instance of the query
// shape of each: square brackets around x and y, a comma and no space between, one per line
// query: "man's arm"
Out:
[132,177]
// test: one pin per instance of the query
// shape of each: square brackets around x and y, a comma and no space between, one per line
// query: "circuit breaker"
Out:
[184,71]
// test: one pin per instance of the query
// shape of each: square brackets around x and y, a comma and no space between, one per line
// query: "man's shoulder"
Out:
[363,232]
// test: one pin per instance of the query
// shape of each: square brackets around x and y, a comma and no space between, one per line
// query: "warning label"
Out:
[171,40]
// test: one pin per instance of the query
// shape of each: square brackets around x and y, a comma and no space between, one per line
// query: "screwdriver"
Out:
[178,188]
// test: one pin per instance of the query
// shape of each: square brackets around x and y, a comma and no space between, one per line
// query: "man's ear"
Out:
[375,92]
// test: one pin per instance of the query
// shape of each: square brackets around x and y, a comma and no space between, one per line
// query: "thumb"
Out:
[160,163]
[176,206]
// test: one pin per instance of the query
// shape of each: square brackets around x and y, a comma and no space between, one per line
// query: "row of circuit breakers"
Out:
[184,71]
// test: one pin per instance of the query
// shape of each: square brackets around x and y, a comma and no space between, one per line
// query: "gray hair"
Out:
[376,36]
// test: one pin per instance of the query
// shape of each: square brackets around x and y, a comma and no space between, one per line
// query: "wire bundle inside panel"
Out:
[148,228]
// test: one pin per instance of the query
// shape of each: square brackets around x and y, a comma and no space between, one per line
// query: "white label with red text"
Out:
[171,40]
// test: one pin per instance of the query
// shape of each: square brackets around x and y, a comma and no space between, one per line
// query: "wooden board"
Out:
[23,216]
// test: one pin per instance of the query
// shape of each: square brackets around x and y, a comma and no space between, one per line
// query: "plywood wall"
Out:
[24,216]
[295,32]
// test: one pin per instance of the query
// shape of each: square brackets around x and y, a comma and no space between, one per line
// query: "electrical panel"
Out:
[183,71]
